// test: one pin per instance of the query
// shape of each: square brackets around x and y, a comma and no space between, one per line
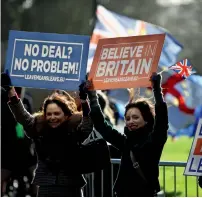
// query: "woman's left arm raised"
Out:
[161,112]
[86,125]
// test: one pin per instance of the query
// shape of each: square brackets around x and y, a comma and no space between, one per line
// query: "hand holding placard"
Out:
[6,81]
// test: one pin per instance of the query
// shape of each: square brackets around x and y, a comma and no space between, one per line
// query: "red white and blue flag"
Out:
[183,68]
[110,24]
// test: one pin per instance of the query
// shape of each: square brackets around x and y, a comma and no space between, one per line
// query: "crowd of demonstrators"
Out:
[62,122]
[56,129]
[142,143]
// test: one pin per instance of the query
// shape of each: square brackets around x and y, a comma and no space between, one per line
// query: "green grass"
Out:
[178,151]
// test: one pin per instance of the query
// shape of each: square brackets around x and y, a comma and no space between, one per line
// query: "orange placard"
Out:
[125,62]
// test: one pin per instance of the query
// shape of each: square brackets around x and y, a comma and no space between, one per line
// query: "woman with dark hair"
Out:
[141,145]
[57,131]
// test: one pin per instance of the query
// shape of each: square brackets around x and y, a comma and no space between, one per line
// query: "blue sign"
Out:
[49,61]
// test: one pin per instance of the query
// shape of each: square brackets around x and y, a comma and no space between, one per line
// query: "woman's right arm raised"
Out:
[110,134]
[21,114]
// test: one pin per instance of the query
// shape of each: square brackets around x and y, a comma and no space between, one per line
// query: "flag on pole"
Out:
[110,24]
[183,68]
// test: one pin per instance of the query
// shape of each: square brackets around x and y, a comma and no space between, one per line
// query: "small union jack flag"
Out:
[183,68]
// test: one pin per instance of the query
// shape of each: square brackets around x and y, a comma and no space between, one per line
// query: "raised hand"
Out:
[156,84]
[156,80]
[88,85]
[6,81]
[83,91]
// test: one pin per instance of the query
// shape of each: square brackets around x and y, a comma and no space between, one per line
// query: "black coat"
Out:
[16,155]
[8,121]
[56,147]
[147,145]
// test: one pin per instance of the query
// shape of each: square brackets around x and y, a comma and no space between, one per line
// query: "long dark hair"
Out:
[146,108]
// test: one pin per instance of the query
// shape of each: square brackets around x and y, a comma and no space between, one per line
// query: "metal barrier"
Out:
[98,186]
[175,165]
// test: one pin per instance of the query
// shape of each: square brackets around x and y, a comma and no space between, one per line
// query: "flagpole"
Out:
[94,18]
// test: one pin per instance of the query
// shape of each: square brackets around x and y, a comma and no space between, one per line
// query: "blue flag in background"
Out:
[184,100]
[110,24]
[191,129]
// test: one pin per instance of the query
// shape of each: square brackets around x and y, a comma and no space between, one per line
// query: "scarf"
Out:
[57,146]
[137,137]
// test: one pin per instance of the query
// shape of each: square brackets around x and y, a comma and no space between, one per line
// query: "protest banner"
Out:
[126,62]
[194,163]
[46,60]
